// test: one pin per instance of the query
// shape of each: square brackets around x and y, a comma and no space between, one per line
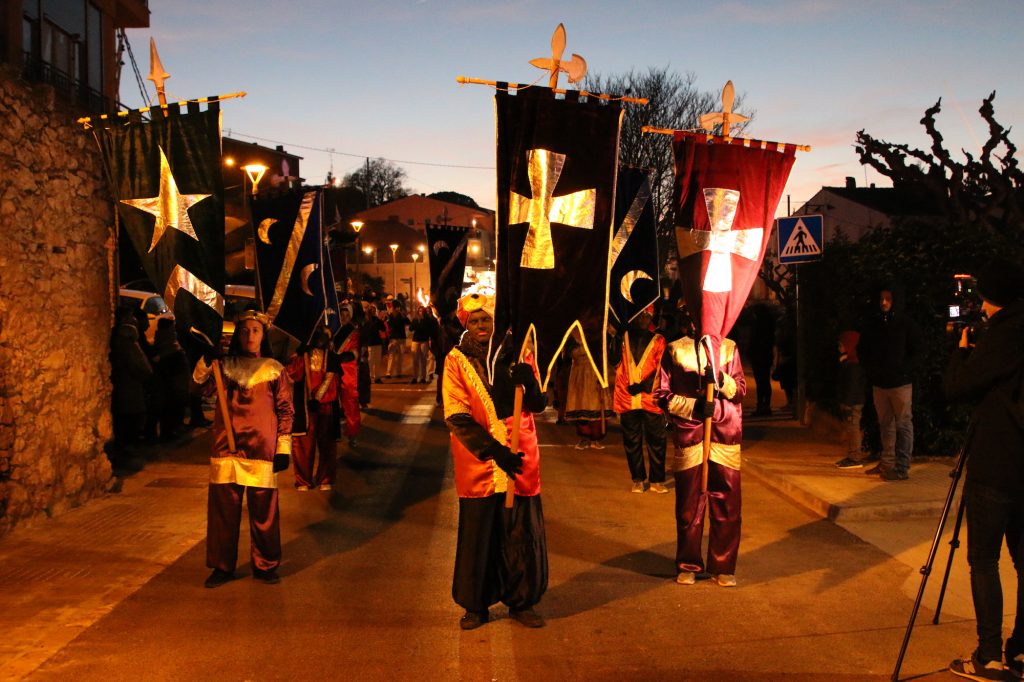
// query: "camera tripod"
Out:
[954,543]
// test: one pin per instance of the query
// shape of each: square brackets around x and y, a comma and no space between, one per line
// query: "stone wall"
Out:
[55,307]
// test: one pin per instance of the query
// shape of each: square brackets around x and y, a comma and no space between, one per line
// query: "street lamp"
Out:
[356,226]
[255,172]
[415,261]
[394,269]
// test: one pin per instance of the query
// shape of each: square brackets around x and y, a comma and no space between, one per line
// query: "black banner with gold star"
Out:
[556,198]
[165,175]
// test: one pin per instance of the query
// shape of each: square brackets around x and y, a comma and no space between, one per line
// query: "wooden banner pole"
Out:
[748,141]
[462,80]
[86,121]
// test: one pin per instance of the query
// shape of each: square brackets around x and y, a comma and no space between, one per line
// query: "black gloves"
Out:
[347,356]
[302,349]
[281,462]
[522,374]
[702,409]
[212,353]
[511,464]
[313,405]
[635,389]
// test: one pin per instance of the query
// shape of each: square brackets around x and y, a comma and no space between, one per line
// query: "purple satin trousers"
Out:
[723,502]
[224,516]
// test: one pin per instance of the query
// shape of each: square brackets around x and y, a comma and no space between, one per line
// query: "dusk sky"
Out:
[378,78]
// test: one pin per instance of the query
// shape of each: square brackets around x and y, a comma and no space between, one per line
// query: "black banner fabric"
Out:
[635,274]
[165,175]
[296,284]
[446,249]
[556,164]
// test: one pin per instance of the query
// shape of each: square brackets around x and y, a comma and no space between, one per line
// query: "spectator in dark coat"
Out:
[850,390]
[172,376]
[129,371]
[371,337]
[890,346]
[990,375]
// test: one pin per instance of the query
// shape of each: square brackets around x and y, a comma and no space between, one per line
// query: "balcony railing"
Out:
[70,89]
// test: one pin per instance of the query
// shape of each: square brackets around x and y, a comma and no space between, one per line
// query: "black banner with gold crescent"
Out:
[165,175]
[446,249]
[557,161]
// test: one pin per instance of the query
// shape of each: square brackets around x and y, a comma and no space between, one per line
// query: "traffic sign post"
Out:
[800,240]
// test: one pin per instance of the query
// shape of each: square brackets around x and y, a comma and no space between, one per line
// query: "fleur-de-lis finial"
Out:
[575,68]
[725,117]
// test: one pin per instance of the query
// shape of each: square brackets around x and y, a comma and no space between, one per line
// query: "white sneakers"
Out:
[722,579]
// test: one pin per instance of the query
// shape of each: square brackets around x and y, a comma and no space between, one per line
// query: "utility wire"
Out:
[135,69]
[331,150]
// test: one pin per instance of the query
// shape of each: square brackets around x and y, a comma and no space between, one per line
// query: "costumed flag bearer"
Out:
[259,425]
[316,372]
[501,553]
[346,342]
[643,423]
[681,392]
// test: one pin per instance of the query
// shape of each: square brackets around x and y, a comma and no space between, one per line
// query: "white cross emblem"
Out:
[721,240]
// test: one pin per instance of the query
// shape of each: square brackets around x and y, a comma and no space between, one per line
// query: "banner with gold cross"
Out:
[556,166]
[165,175]
[726,194]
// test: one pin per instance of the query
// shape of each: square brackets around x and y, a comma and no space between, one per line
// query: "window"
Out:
[94,48]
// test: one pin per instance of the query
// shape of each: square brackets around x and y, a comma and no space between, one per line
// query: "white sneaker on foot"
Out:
[686,578]
[726,580]
[639,487]
[595,445]
[659,488]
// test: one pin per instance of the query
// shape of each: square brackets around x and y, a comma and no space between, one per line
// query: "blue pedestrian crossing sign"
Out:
[800,239]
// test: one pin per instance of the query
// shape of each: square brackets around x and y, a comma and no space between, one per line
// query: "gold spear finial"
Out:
[576,68]
[157,73]
[725,116]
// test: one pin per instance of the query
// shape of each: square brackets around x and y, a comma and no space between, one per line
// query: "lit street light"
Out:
[415,262]
[394,270]
[357,225]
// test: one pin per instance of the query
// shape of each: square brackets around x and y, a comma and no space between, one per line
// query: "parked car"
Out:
[153,305]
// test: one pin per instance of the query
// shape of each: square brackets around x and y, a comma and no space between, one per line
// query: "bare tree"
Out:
[674,102]
[379,180]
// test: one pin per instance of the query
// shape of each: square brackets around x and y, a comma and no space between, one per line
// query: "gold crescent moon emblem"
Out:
[265,226]
[627,282]
[306,272]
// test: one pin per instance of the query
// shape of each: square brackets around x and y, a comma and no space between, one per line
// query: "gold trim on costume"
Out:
[693,455]
[324,386]
[495,426]
[254,473]
[291,254]
[201,372]
[684,355]
[250,372]
[284,444]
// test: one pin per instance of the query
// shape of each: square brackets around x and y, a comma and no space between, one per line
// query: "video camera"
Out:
[965,309]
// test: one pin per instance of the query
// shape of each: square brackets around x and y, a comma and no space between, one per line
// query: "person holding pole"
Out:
[252,442]
[704,403]
[501,553]
[990,374]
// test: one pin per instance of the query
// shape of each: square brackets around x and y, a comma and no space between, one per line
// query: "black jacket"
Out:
[991,376]
[889,348]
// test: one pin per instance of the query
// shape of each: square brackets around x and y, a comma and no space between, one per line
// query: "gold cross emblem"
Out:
[543,208]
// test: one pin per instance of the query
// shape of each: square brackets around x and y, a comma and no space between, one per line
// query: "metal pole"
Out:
[801,353]
[394,274]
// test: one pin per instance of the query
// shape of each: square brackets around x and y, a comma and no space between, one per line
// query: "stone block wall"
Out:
[56,255]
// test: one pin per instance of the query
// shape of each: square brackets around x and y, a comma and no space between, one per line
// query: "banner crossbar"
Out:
[463,80]
[87,120]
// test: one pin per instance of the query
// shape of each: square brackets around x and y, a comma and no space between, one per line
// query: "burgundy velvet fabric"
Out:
[723,511]
[224,515]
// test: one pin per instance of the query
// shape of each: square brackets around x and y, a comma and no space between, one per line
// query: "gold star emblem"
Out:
[170,207]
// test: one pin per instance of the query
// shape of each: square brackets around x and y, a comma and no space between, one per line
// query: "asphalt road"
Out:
[365,591]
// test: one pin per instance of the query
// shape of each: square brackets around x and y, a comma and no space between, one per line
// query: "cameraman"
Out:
[990,375]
